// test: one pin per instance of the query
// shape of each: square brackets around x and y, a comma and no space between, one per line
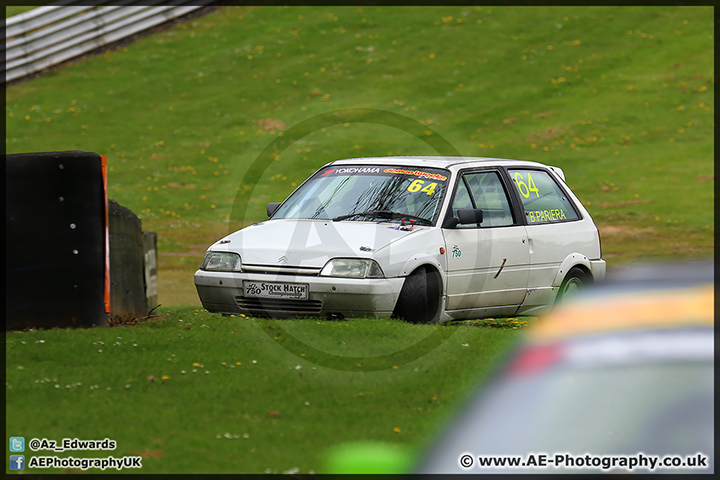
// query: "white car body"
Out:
[509,265]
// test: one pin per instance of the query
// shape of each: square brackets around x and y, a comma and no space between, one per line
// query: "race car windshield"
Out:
[369,194]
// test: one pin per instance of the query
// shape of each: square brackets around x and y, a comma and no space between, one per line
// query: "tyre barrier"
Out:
[73,258]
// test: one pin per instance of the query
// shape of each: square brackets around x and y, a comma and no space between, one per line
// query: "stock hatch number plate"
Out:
[287,291]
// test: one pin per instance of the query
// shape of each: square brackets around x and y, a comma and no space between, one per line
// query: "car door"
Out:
[487,262]
[555,229]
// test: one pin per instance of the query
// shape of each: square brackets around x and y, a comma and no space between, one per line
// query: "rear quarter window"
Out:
[542,198]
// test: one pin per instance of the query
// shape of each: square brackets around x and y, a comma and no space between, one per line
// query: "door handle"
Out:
[501,267]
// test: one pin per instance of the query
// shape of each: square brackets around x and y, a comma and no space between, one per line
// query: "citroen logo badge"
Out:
[283,260]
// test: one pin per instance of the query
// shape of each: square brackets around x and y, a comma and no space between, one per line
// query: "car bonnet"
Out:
[309,243]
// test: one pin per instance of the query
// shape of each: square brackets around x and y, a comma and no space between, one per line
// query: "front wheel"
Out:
[419,298]
[575,280]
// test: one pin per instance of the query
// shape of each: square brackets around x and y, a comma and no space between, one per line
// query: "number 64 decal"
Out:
[417,186]
[525,188]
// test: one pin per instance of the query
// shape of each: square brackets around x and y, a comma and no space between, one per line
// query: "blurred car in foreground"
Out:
[617,380]
[620,380]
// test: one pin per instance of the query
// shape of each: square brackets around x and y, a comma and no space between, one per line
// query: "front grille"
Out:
[278,308]
[281,270]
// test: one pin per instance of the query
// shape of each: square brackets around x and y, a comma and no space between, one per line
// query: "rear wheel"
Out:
[419,298]
[575,281]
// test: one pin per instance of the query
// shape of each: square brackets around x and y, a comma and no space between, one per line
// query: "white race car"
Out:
[427,239]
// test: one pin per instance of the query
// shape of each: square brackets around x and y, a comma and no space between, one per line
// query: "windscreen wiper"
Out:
[382,214]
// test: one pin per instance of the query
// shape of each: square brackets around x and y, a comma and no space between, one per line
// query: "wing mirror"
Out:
[450,222]
[470,215]
[465,217]
[272,207]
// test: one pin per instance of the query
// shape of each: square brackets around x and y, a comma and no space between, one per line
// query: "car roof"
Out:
[437,161]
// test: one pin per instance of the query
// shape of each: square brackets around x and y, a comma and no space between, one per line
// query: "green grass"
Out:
[621,98]
[235,400]
[15,10]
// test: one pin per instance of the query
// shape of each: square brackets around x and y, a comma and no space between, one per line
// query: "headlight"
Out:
[352,268]
[222,262]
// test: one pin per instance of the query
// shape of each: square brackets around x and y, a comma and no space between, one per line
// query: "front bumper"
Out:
[222,292]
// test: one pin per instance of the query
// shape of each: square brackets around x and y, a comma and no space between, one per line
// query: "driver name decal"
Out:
[553,215]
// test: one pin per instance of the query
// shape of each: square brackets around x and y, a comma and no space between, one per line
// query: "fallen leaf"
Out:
[271,124]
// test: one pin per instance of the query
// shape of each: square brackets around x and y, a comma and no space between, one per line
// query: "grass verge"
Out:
[193,392]
[620,98]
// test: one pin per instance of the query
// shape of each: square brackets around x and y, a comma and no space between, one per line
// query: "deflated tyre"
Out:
[419,298]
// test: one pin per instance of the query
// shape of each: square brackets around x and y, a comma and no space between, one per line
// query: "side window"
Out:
[488,194]
[542,198]
[462,199]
